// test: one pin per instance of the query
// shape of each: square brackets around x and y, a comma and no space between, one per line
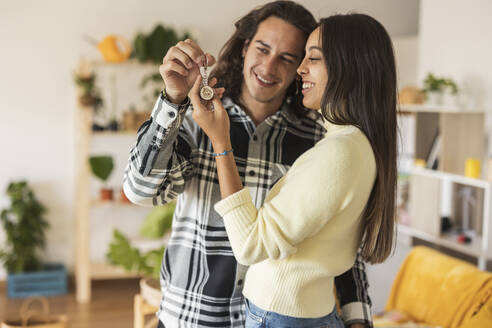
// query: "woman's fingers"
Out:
[217,103]
[195,93]
[219,92]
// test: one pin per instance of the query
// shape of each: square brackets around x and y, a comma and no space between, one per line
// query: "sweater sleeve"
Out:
[317,188]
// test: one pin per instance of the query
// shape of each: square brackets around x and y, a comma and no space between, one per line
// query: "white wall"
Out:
[456,41]
[406,55]
[41,43]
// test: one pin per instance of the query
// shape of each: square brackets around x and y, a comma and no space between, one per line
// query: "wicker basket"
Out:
[36,318]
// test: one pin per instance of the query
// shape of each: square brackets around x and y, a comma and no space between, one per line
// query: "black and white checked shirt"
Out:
[201,281]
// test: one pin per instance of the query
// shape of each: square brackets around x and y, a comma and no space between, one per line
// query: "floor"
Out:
[111,306]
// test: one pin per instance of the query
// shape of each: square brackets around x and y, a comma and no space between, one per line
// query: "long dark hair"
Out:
[230,62]
[361,91]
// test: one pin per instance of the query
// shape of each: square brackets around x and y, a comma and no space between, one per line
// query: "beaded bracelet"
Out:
[223,153]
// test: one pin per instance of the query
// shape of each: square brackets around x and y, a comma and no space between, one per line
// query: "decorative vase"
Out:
[449,99]
[434,98]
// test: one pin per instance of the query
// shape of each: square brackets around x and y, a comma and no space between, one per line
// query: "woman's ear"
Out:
[245,48]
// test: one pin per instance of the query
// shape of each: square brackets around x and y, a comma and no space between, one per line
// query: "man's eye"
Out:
[313,58]
[287,60]
[262,50]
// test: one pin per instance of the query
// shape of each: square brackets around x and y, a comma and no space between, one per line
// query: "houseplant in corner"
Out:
[101,167]
[25,227]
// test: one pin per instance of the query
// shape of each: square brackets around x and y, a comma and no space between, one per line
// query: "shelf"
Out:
[132,63]
[115,133]
[479,183]
[472,249]
[408,109]
[111,203]
[104,270]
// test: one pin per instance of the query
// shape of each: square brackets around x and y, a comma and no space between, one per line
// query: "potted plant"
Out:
[25,228]
[149,48]
[152,85]
[144,256]
[85,79]
[101,167]
[436,87]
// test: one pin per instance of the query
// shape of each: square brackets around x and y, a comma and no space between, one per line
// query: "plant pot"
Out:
[449,99]
[52,280]
[112,126]
[106,194]
[133,120]
[150,291]
[434,98]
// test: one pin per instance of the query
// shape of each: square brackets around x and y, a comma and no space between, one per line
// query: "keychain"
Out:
[206,92]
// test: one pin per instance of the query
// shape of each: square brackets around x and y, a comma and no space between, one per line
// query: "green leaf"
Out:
[101,166]
[154,46]
[25,227]
[158,221]
[140,47]
[123,254]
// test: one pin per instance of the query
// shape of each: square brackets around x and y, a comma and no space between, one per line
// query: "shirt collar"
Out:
[287,111]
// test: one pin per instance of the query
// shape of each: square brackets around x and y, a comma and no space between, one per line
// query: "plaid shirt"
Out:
[200,279]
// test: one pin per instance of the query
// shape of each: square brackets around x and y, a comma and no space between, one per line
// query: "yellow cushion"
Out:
[439,290]
[483,319]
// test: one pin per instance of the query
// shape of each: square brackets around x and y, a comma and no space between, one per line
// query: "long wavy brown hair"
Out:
[361,91]
[229,67]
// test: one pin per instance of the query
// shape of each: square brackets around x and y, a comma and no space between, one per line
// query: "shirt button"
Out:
[236,315]
[255,138]
[171,114]
[252,173]
[239,282]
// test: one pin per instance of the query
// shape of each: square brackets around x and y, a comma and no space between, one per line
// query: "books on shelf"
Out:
[432,159]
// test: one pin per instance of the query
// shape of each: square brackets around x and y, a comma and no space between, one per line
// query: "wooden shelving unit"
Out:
[425,204]
[86,205]
[87,270]
[411,109]
[462,136]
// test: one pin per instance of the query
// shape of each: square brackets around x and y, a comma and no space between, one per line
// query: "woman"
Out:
[336,197]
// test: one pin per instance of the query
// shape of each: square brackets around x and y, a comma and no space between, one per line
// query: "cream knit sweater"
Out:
[308,229]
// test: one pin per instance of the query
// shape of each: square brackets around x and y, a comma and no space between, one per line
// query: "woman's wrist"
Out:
[220,147]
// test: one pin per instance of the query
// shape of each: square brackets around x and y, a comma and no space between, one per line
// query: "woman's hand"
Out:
[214,122]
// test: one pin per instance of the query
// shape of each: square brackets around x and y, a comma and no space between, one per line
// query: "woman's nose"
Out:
[301,70]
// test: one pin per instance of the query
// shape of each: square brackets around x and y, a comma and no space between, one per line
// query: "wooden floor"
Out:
[111,305]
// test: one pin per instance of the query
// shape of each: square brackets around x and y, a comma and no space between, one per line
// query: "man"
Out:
[200,278]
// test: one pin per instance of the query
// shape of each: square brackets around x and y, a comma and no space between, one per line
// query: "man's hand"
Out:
[180,68]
